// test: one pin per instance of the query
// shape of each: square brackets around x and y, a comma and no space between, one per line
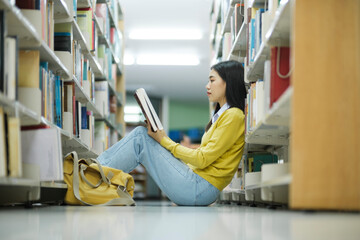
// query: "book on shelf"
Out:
[28,4]
[103,58]
[77,61]
[29,68]
[10,80]
[258,28]
[77,113]
[87,126]
[84,20]
[256,160]
[63,41]
[64,45]
[148,110]
[29,89]
[280,67]
[255,105]
[69,98]
[265,24]
[252,162]
[42,146]
[267,79]
[14,147]
[87,78]
[40,14]
[102,134]
[238,18]
[226,45]
[102,15]
[2,49]
[102,97]
[260,94]
[58,104]
[3,150]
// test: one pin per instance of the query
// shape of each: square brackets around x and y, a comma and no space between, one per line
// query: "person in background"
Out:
[189,176]
[185,140]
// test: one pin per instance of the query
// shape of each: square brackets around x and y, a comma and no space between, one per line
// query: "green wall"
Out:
[183,115]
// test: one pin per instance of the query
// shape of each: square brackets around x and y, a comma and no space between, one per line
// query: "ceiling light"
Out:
[166,34]
[156,59]
[132,118]
[132,110]
[129,59]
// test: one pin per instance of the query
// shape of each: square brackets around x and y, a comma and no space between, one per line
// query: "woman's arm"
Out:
[228,130]
[158,135]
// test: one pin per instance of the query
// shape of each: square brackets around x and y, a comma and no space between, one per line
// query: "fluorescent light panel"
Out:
[132,110]
[129,59]
[166,34]
[183,60]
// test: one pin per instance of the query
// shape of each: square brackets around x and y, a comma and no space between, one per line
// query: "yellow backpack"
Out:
[89,183]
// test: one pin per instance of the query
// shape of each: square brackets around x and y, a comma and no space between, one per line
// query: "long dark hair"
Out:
[232,72]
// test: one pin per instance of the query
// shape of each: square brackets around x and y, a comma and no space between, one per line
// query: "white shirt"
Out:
[221,111]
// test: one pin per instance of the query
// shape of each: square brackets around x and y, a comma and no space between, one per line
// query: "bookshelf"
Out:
[299,125]
[271,134]
[28,187]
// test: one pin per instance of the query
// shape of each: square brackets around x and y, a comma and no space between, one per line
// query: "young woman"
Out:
[192,176]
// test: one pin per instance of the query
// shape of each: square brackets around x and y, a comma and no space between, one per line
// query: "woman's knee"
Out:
[140,129]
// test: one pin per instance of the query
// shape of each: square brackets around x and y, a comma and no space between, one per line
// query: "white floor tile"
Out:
[163,220]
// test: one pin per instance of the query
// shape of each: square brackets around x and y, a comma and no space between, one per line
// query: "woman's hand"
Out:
[158,135]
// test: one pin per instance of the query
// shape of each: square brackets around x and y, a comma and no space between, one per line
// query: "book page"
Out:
[153,112]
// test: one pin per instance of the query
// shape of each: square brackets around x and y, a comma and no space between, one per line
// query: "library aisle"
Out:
[163,220]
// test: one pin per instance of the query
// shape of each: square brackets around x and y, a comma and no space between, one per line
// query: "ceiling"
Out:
[182,83]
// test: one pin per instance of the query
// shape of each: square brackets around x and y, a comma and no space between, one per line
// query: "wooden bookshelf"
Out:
[27,189]
[325,106]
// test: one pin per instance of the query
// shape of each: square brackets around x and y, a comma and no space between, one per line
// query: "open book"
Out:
[148,109]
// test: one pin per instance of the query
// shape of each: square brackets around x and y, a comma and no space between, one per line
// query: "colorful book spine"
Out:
[280,65]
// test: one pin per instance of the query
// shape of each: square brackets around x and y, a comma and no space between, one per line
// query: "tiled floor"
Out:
[163,220]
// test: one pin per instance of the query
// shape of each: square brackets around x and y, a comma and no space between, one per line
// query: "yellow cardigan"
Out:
[220,151]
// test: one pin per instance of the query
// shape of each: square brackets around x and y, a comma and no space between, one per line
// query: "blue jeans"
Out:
[180,184]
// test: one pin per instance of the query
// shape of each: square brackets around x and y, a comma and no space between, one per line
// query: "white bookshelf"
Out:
[256,68]
[279,114]
[279,181]
[19,182]
[256,3]
[272,133]
[47,55]
[18,25]
[274,129]
[61,10]
[24,189]
[118,96]
[53,184]
[15,108]
[268,135]
[113,24]
[238,49]
[279,31]
[226,26]
[84,3]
